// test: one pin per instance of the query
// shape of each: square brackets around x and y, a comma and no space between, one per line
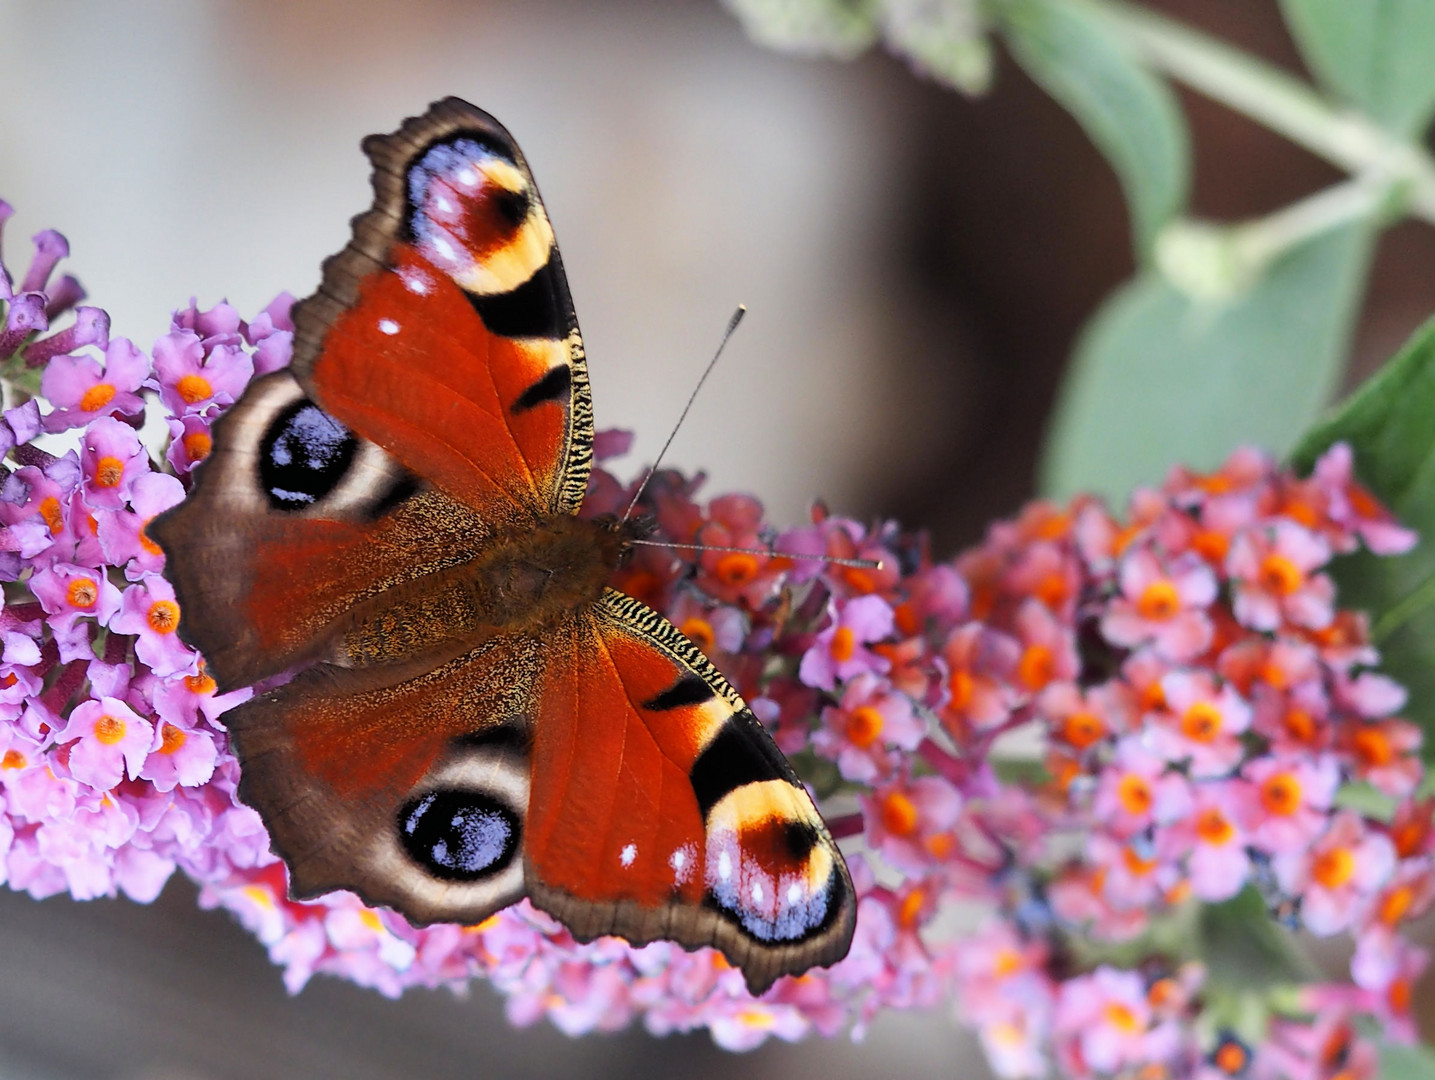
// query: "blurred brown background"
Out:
[916,265]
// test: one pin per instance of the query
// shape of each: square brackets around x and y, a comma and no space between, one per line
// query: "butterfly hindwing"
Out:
[661,809]
[297,522]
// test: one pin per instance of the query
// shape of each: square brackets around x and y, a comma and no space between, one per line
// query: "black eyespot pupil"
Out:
[303,456]
[459,835]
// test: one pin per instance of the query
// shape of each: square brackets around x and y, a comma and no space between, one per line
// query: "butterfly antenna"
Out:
[864,564]
[731,326]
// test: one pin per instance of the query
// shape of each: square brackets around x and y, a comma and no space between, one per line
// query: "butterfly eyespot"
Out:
[303,456]
[459,835]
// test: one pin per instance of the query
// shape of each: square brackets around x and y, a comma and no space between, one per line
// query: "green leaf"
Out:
[1388,425]
[1405,1062]
[1159,378]
[1130,115]
[1377,54]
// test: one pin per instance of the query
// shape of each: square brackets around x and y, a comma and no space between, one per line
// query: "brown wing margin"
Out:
[660,809]
[537,309]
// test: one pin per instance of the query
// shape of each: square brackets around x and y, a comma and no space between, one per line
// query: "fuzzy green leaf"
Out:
[1388,425]
[1130,115]
[1159,378]
[1377,54]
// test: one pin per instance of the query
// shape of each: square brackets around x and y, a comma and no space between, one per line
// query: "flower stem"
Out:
[1281,102]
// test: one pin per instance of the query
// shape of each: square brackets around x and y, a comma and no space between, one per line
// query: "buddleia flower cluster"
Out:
[1129,738]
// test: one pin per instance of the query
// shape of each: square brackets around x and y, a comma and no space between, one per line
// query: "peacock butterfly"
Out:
[478,717]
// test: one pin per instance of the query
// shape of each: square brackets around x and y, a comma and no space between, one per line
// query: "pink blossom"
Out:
[840,652]
[148,610]
[910,822]
[1107,1016]
[1274,580]
[1347,864]
[1285,801]
[1213,842]
[1355,510]
[1162,605]
[112,740]
[112,458]
[122,534]
[868,722]
[1135,791]
[981,695]
[1204,724]
[179,756]
[193,374]
[81,390]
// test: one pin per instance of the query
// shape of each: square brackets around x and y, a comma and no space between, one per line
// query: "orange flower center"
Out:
[864,724]
[1135,794]
[1006,963]
[148,544]
[1052,590]
[899,814]
[1201,722]
[197,445]
[97,397]
[1136,866]
[1399,994]
[172,738]
[844,644]
[109,471]
[1037,667]
[8,680]
[1280,794]
[1231,1058]
[939,845]
[82,593]
[1153,697]
[1211,545]
[54,516]
[1300,725]
[109,729]
[201,683]
[960,686]
[736,569]
[1409,837]
[163,616]
[910,908]
[906,619]
[1159,601]
[859,580]
[1122,1018]
[1395,903]
[1213,828]
[194,388]
[1081,729]
[1162,992]
[13,759]
[699,632]
[1279,575]
[1362,502]
[1333,868]
[1373,747]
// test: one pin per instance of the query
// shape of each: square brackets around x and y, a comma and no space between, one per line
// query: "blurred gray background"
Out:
[915,264]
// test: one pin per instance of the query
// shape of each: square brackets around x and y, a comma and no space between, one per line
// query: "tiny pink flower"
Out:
[189,442]
[1286,800]
[840,651]
[981,663]
[1203,725]
[113,740]
[81,390]
[71,596]
[179,756]
[122,533]
[112,458]
[1108,1016]
[1354,509]
[1384,753]
[1048,648]
[870,719]
[910,822]
[1162,605]
[1332,877]
[1136,791]
[1274,579]
[1213,842]
[148,609]
[191,377]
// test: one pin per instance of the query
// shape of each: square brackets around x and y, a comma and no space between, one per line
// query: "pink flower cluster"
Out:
[1093,725]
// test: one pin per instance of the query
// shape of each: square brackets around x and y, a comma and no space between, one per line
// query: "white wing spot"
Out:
[444,204]
[416,283]
[466,177]
[678,860]
[444,248]
[388,326]
[757,892]
[724,866]
[794,893]
[628,854]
